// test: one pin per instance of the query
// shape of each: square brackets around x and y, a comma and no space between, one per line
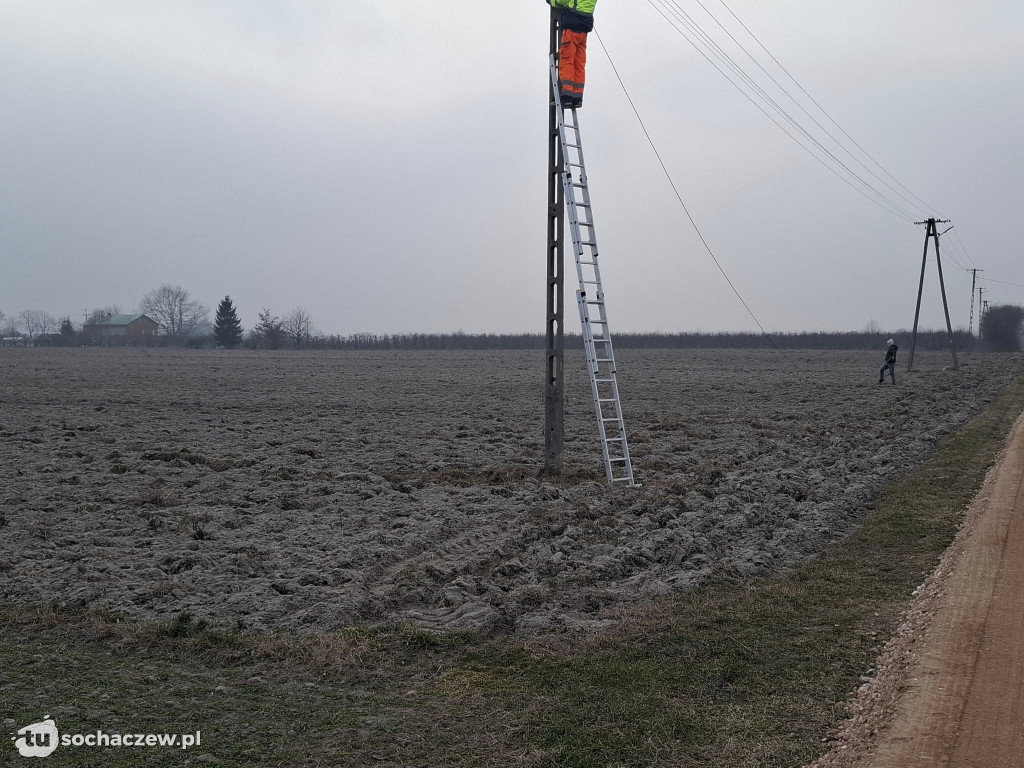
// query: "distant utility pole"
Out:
[553,381]
[980,291]
[974,280]
[932,232]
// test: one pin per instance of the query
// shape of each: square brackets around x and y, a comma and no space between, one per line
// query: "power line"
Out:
[719,52]
[1001,282]
[691,31]
[709,43]
[951,252]
[952,249]
[823,111]
[682,203]
[792,98]
[964,247]
[875,195]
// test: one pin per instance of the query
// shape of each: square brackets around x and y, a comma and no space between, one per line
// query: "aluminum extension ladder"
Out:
[597,342]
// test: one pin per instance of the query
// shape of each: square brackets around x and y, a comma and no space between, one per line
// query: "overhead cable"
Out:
[964,247]
[682,203]
[704,44]
[1001,282]
[867,154]
[813,119]
[747,81]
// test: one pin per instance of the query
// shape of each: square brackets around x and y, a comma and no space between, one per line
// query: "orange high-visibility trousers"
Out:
[572,62]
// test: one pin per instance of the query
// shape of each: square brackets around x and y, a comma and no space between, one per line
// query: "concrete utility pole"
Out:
[932,232]
[980,291]
[974,280]
[553,381]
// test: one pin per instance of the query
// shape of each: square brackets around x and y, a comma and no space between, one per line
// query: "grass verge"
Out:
[731,675]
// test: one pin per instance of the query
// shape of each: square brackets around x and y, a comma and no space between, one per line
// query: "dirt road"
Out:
[964,704]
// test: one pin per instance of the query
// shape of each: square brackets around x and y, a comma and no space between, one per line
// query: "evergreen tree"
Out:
[269,331]
[227,330]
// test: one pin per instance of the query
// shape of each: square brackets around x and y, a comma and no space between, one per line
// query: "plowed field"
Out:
[301,490]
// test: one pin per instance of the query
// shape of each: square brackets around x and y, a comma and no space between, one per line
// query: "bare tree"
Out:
[36,321]
[10,328]
[100,314]
[174,310]
[2,326]
[298,325]
[47,322]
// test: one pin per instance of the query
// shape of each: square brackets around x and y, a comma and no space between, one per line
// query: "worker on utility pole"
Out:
[890,363]
[576,19]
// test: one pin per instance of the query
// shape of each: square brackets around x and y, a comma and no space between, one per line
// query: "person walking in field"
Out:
[890,363]
[576,19]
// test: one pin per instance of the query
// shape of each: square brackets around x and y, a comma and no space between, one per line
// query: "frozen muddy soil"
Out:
[310,491]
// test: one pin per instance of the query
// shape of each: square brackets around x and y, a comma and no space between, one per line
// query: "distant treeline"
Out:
[926,340]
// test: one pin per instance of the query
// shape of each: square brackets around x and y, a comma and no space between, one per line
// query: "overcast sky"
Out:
[383,164]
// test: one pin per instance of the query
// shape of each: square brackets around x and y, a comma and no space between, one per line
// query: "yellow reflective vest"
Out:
[577,15]
[580,6]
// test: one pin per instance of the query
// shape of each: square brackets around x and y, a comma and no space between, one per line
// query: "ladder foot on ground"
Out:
[604,383]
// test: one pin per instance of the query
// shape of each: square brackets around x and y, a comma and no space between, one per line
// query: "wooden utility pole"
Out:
[932,232]
[974,280]
[553,382]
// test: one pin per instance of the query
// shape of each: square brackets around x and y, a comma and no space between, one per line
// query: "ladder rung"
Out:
[619,469]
